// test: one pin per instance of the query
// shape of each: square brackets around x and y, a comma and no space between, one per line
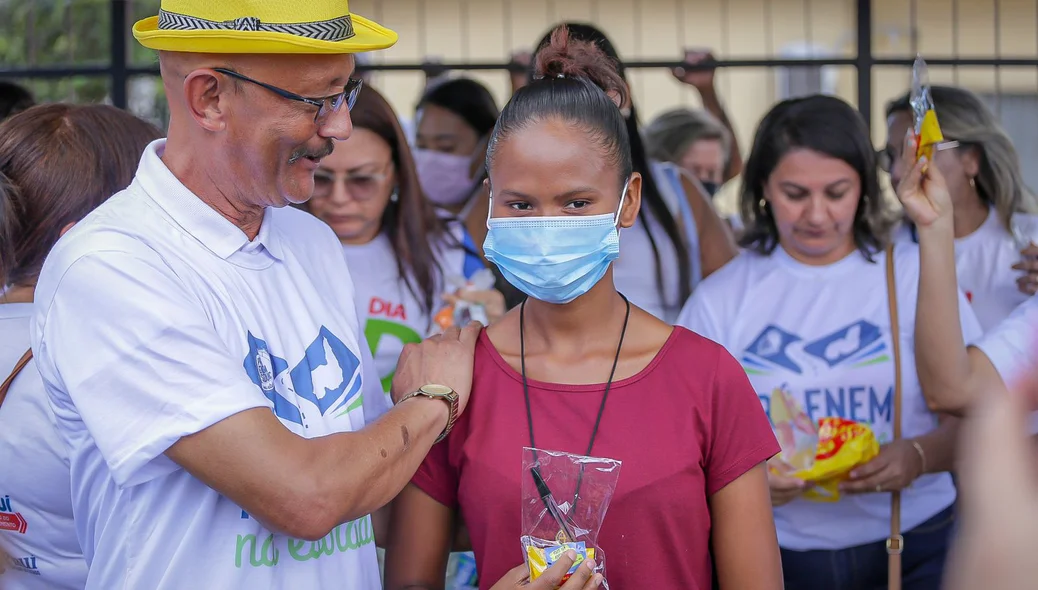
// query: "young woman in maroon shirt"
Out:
[675,408]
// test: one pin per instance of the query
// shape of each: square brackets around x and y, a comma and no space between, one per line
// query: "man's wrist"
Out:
[439,393]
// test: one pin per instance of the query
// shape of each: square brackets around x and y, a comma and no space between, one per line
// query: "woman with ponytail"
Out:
[580,362]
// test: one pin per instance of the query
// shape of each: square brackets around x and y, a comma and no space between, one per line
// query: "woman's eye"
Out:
[796,196]
[577,204]
[836,196]
[520,206]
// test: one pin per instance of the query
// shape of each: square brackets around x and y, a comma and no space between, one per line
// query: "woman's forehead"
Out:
[551,147]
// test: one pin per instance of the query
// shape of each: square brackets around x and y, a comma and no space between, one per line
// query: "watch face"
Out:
[442,390]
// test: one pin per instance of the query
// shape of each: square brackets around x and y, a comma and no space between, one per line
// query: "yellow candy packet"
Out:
[927,129]
[542,558]
[822,453]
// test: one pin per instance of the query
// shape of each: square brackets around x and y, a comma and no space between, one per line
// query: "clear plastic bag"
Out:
[463,312]
[565,499]
[927,130]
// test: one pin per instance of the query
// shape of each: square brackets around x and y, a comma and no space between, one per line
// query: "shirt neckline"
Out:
[845,265]
[198,219]
[485,342]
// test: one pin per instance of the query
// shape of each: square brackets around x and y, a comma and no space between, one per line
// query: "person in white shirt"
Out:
[805,309]
[198,340]
[406,262]
[995,222]
[57,162]
[956,375]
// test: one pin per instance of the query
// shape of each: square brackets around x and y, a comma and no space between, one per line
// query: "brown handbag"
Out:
[10,378]
[896,542]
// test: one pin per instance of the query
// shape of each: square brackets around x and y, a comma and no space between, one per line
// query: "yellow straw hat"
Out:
[260,26]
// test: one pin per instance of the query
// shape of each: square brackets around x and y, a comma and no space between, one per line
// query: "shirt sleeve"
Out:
[436,476]
[697,316]
[138,357]
[1010,345]
[740,433]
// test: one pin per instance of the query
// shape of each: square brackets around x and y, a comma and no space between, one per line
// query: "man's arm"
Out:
[305,487]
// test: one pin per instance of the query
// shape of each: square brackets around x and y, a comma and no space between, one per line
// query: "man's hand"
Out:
[582,579]
[896,466]
[702,80]
[444,359]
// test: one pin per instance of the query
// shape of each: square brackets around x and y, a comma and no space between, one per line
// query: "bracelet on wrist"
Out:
[922,456]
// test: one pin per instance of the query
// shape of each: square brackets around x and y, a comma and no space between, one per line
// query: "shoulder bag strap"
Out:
[10,378]
[895,543]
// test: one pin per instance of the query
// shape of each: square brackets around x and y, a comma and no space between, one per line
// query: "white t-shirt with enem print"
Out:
[822,333]
[156,318]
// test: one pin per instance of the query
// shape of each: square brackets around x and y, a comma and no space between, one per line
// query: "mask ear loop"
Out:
[490,206]
[623,195]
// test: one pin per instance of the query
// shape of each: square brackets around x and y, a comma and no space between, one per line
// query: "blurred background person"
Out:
[994,212]
[57,163]
[404,260]
[13,99]
[805,308]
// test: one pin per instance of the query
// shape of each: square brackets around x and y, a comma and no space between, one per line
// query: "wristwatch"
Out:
[443,392]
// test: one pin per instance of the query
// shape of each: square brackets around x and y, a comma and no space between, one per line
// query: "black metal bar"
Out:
[864,60]
[103,70]
[118,57]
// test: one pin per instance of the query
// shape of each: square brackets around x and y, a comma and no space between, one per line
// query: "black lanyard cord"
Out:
[605,395]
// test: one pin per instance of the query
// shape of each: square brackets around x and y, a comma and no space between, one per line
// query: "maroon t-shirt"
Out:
[684,427]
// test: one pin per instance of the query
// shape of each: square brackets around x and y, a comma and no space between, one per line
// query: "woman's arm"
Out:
[716,243]
[420,534]
[745,545]
[951,376]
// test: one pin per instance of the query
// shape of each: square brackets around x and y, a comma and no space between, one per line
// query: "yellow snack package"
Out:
[927,129]
[822,453]
[842,446]
[542,558]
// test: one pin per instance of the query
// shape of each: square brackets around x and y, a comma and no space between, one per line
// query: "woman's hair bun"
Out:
[564,57]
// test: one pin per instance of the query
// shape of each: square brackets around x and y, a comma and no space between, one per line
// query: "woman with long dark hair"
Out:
[406,263]
[57,163]
[807,309]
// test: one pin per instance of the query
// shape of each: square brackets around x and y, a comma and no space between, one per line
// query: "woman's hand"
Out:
[701,80]
[896,466]
[582,579]
[923,191]
[1028,282]
[492,300]
[784,488]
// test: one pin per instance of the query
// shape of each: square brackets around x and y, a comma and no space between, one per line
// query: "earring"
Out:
[973,183]
[394,196]
[763,203]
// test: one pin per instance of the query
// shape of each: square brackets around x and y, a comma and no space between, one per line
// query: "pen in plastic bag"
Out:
[553,507]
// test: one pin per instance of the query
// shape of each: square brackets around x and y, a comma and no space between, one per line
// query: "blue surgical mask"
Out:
[554,259]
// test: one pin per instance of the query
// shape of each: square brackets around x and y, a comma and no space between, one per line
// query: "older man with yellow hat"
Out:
[199,341]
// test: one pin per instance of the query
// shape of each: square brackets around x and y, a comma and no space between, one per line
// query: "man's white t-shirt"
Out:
[36,528]
[1011,346]
[984,265]
[822,333]
[391,313]
[155,318]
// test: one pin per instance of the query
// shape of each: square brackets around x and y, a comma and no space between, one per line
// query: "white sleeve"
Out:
[698,316]
[139,358]
[1010,345]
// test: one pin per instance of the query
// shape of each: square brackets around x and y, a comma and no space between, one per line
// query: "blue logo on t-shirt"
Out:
[859,340]
[327,376]
[771,346]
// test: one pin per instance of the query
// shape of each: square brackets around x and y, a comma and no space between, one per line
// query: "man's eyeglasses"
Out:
[886,157]
[325,106]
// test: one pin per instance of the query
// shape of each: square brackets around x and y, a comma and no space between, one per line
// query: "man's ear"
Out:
[205,95]
[632,202]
